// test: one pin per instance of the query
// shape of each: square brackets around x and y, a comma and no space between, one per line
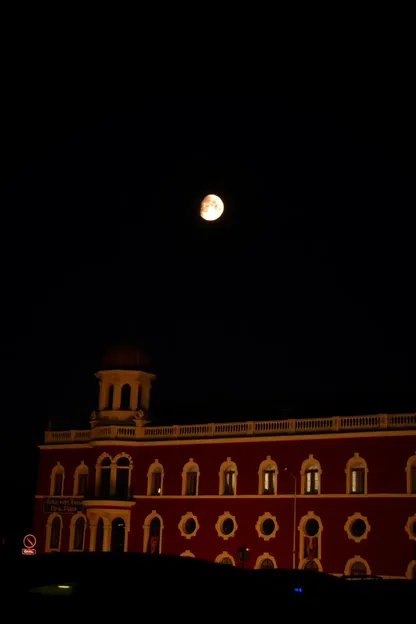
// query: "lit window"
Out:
[156,488]
[312,480]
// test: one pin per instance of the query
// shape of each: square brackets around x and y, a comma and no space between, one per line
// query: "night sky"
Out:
[298,302]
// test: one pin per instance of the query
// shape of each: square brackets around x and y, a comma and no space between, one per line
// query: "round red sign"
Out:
[29,541]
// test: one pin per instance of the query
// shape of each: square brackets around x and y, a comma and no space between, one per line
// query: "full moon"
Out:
[212,207]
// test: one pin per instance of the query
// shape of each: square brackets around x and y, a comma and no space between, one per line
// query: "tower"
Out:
[124,390]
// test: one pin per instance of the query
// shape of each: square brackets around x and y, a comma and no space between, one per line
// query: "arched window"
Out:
[411,475]
[357,567]
[77,532]
[110,396]
[190,479]
[265,562]
[152,535]
[123,473]
[57,480]
[225,558]
[99,537]
[228,478]
[411,571]
[81,480]
[268,477]
[53,533]
[118,534]
[310,538]
[104,478]
[356,473]
[125,397]
[312,566]
[155,479]
[311,476]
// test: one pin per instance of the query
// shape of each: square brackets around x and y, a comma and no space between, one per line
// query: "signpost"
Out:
[29,543]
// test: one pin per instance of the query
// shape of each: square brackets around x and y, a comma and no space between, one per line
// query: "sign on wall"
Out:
[29,543]
[62,505]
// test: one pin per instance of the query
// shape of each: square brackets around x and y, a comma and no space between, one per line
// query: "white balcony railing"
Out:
[337,424]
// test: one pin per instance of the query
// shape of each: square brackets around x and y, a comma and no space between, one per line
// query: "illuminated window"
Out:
[312,480]
[268,477]
[311,476]
[228,478]
[155,479]
[190,479]
[57,480]
[356,471]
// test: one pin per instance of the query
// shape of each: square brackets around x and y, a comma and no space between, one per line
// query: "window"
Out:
[123,472]
[188,525]
[266,526]
[78,524]
[311,476]
[228,478]
[190,479]
[357,527]
[153,532]
[155,479]
[268,477]
[99,537]
[226,526]
[125,397]
[411,475]
[225,558]
[411,571]
[57,480]
[105,478]
[312,566]
[118,533]
[357,567]
[265,562]
[410,527]
[312,480]
[53,533]
[310,538]
[110,396]
[81,480]
[356,472]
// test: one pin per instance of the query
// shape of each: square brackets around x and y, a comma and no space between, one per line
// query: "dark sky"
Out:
[297,302]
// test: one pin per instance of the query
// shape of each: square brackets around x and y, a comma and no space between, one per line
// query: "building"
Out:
[334,494]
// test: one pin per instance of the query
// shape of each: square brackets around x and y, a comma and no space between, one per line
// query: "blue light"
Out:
[299,589]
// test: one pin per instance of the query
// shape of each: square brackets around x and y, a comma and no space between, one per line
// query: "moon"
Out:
[212,208]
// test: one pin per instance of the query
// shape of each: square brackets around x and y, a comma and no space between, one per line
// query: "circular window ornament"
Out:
[357,527]
[225,558]
[188,525]
[226,525]
[411,527]
[266,561]
[266,526]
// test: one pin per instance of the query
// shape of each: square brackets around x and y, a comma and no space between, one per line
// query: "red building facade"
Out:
[333,494]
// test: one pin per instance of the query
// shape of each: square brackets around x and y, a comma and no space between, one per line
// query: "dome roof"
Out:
[124,357]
